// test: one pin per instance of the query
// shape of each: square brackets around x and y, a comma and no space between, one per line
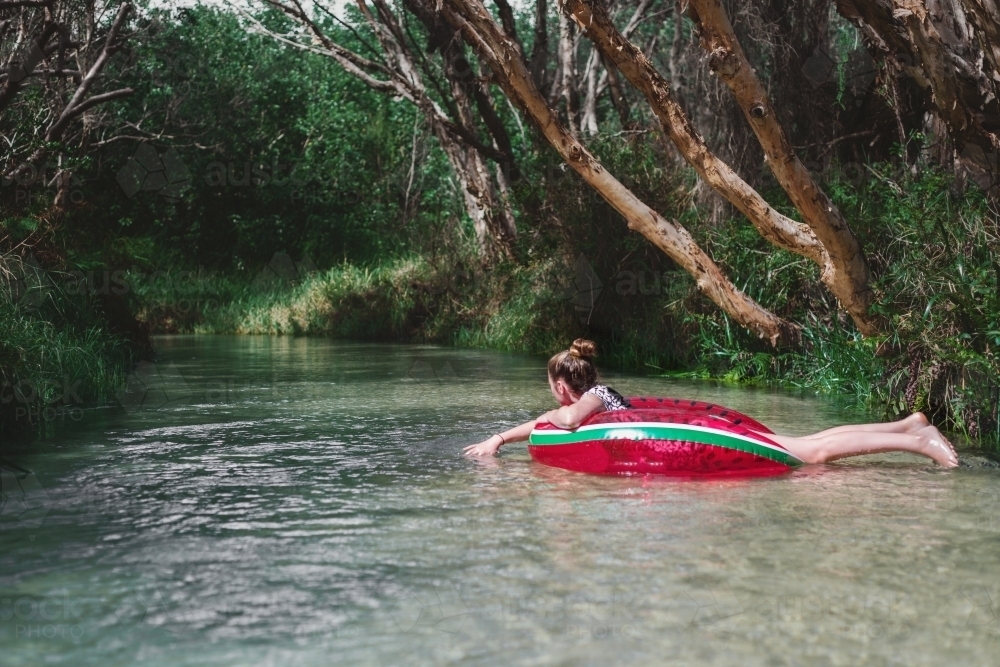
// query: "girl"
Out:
[574,384]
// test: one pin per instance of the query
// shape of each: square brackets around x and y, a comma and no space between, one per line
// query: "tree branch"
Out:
[499,51]
[845,270]
[110,47]
[94,100]
[349,60]
[36,53]
[630,61]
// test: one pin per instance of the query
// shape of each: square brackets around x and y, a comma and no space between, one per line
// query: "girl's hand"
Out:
[487,447]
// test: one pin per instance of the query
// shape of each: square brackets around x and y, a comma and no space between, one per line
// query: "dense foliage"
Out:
[256,188]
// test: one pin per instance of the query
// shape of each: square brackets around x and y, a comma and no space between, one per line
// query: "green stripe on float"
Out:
[659,431]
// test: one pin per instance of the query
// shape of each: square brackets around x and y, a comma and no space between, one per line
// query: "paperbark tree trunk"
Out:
[776,228]
[589,121]
[676,46]
[607,79]
[482,200]
[511,73]
[844,269]
[540,47]
[478,192]
[951,48]
[618,99]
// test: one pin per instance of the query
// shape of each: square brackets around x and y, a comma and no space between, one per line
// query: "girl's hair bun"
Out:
[583,348]
[575,366]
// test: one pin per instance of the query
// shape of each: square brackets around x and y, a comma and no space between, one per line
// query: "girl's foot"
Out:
[938,447]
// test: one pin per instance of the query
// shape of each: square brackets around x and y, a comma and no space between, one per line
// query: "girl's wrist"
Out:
[502,441]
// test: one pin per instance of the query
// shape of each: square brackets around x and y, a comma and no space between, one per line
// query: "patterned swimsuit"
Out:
[611,399]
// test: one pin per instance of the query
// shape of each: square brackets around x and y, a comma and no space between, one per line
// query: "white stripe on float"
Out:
[689,427]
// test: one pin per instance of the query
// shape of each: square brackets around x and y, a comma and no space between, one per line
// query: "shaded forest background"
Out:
[226,174]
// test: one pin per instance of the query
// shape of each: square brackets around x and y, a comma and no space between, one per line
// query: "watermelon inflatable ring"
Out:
[664,436]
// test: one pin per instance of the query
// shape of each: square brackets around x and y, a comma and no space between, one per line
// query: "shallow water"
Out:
[302,502]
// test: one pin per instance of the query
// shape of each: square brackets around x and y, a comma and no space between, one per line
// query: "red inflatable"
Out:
[664,436]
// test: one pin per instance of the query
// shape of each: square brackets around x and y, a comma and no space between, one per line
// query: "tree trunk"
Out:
[952,49]
[478,193]
[484,35]
[608,78]
[776,228]
[540,48]
[589,121]
[618,98]
[568,81]
[493,232]
[507,220]
[399,73]
[844,270]
[676,46]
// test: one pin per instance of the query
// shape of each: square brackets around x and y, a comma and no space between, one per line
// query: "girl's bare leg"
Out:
[928,442]
[911,424]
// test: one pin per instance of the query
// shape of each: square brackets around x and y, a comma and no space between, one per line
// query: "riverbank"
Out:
[65,344]
[311,204]
[936,286]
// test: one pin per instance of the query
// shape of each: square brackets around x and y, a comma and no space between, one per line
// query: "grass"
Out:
[937,283]
[405,298]
[61,349]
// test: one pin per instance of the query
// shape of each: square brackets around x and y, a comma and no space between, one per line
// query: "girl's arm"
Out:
[568,417]
[571,416]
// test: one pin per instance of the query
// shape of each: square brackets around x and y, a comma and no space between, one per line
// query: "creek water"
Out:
[280,501]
